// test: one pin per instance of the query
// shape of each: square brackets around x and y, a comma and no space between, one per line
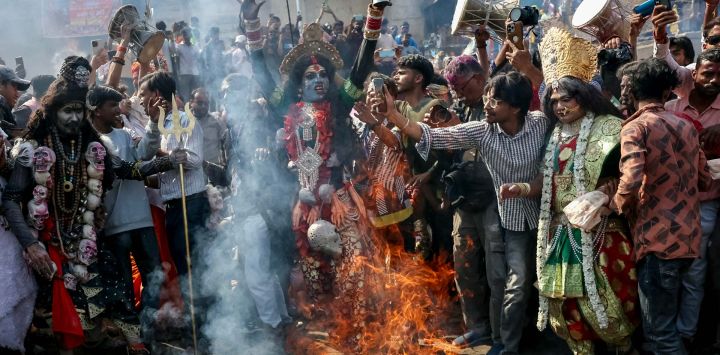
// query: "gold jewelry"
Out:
[565,154]
[312,45]
[524,189]
[563,55]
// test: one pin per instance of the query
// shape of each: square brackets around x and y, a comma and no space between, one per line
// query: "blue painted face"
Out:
[315,83]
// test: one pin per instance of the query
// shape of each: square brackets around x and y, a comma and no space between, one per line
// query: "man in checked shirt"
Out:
[510,141]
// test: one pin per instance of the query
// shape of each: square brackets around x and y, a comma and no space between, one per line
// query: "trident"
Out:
[181,132]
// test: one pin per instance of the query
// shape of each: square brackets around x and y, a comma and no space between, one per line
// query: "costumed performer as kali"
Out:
[53,203]
[319,141]
[586,276]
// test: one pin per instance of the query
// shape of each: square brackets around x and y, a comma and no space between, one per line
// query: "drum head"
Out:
[127,14]
[459,14]
[153,44]
[588,10]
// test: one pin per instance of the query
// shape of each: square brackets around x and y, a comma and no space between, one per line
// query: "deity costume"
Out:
[54,197]
[318,139]
[587,279]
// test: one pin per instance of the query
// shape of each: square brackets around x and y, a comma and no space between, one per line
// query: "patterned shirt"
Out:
[662,172]
[510,159]
[708,118]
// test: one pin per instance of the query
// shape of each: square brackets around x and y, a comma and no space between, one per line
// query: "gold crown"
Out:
[564,55]
[312,44]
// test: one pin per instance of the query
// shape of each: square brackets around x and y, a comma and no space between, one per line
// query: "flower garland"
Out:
[546,216]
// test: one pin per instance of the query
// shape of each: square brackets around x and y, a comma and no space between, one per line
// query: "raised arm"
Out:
[365,61]
[253,30]
[661,18]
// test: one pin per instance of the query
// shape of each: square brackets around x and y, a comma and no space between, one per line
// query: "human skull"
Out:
[70,281]
[89,232]
[95,187]
[88,218]
[93,202]
[323,238]
[37,214]
[44,179]
[215,198]
[43,159]
[40,193]
[80,271]
[87,252]
[95,155]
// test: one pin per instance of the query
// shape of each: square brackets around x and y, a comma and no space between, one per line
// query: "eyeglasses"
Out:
[713,40]
[462,87]
[490,102]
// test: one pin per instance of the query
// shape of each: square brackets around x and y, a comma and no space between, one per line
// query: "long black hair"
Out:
[341,125]
[587,96]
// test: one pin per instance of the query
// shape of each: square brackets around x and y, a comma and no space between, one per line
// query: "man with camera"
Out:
[475,221]
[510,140]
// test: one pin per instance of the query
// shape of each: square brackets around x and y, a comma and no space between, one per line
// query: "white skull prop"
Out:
[80,271]
[95,187]
[44,179]
[95,155]
[70,281]
[40,193]
[87,251]
[89,218]
[323,238]
[37,214]
[89,232]
[93,202]
[43,159]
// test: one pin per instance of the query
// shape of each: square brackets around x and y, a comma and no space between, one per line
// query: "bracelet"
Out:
[524,189]
[121,48]
[371,34]
[407,123]
[118,60]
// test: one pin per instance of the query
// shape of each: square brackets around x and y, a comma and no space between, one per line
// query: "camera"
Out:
[528,15]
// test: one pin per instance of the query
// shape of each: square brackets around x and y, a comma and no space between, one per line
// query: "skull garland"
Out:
[42,162]
[94,187]
[38,214]
[95,156]
[40,193]
[87,252]
[324,238]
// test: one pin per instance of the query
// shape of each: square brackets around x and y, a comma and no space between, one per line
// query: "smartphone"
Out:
[19,61]
[439,115]
[388,53]
[95,45]
[377,86]
[515,34]
[666,3]
[111,54]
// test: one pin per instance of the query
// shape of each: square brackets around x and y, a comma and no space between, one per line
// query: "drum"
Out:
[602,19]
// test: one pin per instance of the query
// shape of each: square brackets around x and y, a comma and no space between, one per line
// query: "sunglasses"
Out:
[713,40]
[490,102]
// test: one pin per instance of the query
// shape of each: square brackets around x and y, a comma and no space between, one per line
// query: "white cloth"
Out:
[264,286]
[240,63]
[188,59]
[386,42]
[195,179]
[17,294]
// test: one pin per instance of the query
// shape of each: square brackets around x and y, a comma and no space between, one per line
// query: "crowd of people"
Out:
[568,183]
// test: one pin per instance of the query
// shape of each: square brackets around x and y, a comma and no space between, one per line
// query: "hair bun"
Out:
[76,70]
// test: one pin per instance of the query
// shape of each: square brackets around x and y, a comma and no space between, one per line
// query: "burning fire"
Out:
[401,300]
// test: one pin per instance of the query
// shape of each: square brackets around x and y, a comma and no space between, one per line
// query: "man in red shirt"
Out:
[663,171]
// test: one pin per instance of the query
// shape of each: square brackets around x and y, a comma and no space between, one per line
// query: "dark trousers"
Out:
[142,244]
[660,283]
[198,211]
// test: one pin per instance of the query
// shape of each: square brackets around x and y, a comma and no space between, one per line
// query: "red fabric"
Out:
[171,288]
[535,102]
[137,283]
[65,320]
[571,144]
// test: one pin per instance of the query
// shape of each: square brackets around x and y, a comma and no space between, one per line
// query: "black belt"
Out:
[177,202]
